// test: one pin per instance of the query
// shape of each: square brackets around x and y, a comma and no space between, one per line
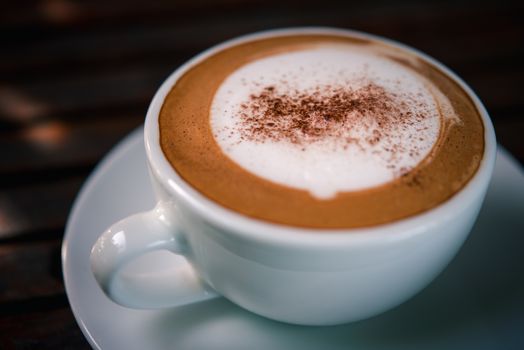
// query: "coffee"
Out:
[321,131]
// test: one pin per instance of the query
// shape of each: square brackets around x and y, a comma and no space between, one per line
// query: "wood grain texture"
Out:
[54,328]
[77,76]
[35,271]
[37,207]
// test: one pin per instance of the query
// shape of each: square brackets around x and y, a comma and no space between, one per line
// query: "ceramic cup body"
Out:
[296,275]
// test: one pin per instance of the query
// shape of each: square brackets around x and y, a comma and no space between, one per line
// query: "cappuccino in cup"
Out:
[315,176]
[321,131]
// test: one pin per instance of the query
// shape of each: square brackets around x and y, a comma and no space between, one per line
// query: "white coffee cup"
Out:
[296,275]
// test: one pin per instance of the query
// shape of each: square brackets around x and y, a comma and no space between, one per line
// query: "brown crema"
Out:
[187,141]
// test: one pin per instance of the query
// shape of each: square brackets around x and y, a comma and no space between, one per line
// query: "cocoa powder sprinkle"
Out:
[327,111]
[365,117]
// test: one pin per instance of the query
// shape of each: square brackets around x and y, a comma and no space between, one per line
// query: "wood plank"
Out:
[50,329]
[413,24]
[64,13]
[42,207]
[74,12]
[171,46]
[499,90]
[55,145]
[95,51]
[509,135]
[31,270]
[21,103]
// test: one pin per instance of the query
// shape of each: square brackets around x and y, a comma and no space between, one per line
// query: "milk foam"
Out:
[349,158]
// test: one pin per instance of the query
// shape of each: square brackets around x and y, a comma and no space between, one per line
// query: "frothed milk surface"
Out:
[321,130]
[327,119]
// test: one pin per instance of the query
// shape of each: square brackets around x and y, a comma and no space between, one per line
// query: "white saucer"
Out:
[477,302]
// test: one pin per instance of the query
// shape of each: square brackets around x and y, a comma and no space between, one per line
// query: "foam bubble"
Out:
[326,119]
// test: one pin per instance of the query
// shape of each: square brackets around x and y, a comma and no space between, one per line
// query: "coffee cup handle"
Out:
[133,237]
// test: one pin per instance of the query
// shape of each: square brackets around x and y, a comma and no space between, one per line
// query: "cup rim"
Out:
[267,232]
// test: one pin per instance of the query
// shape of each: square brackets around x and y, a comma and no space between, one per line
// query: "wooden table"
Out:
[76,77]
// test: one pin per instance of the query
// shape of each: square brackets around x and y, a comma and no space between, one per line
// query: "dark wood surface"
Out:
[76,77]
